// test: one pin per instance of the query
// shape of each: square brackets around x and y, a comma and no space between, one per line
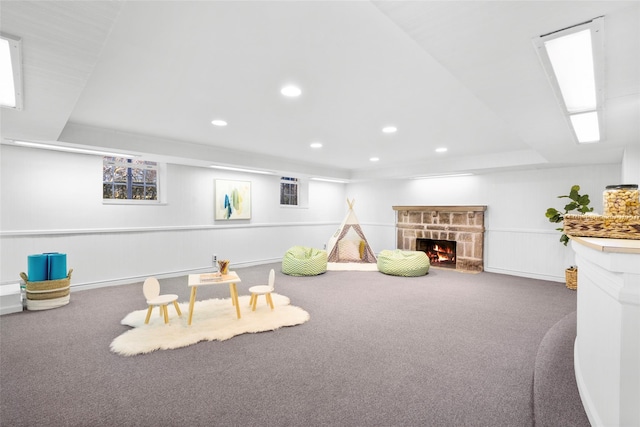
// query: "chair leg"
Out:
[166,313]
[146,321]
[251,299]
[175,304]
[255,301]
[269,300]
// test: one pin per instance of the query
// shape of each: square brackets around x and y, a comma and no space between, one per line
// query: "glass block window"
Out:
[289,191]
[129,179]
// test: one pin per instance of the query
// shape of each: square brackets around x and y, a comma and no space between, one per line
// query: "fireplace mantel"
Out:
[462,224]
[441,208]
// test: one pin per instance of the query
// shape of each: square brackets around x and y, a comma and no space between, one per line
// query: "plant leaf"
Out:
[579,203]
[573,195]
[571,206]
[554,215]
[584,200]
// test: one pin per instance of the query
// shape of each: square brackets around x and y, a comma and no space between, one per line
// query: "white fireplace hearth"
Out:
[461,224]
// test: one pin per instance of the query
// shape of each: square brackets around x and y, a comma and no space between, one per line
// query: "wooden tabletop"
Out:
[213,279]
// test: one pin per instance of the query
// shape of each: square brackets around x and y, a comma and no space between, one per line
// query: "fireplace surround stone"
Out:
[462,224]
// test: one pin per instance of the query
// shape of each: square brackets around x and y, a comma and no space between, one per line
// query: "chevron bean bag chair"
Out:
[403,263]
[303,261]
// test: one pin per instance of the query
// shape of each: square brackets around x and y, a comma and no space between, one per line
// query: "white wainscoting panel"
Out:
[108,257]
[528,253]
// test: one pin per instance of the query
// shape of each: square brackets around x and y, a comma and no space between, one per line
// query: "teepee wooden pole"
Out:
[350,203]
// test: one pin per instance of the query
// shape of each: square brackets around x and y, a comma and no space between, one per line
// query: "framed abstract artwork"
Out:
[232,200]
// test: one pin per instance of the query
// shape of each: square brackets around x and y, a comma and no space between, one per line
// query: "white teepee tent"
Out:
[348,248]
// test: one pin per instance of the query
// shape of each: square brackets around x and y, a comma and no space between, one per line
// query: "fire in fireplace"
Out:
[441,253]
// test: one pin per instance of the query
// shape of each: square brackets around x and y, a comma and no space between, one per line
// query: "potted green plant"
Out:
[579,203]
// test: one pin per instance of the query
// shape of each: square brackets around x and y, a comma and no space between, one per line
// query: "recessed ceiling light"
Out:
[291,91]
[218,122]
[374,159]
[441,150]
[316,145]
[389,129]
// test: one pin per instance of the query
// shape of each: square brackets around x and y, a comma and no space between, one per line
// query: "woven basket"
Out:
[571,275]
[47,289]
[610,227]
[47,304]
[42,295]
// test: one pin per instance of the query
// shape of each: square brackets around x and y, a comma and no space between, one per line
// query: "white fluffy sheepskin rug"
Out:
[213,319]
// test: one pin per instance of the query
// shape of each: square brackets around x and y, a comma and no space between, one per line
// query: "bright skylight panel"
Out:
[571,57]
[7,83]
[586,127]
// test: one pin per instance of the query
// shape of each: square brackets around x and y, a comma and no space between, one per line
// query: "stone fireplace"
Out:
[463,225]
[441,253]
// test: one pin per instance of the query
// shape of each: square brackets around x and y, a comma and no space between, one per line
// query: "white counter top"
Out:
[621,246]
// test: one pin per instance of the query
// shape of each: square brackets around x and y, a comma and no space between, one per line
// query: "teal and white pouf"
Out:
[304,261]
[403,263]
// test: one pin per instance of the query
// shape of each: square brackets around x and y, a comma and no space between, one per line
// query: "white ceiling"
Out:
[150,76]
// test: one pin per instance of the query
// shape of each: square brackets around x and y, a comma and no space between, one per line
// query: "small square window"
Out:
[129,179]
[289,191]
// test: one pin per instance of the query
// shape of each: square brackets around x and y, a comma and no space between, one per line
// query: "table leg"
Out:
[191,303]
[232,286]
[234,297]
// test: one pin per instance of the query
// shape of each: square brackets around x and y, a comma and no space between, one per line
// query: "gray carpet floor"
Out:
[446,349]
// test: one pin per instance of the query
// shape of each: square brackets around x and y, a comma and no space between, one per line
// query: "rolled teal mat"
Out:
[37,267]
[57,266]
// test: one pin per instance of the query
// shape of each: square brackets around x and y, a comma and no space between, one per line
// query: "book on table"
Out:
[216,277]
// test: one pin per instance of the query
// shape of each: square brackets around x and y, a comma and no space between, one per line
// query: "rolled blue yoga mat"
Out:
[57,266]
[37,267]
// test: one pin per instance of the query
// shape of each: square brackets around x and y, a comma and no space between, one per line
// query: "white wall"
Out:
[519,240]
[631,164]
[52,202]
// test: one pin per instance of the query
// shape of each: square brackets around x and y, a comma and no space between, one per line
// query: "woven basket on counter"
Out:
[610,227]
[571,276]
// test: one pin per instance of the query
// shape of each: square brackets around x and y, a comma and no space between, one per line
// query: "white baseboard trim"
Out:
[560,279]
[205,269]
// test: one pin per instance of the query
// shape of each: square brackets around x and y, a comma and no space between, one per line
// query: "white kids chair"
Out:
[151,290]
[263,290]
